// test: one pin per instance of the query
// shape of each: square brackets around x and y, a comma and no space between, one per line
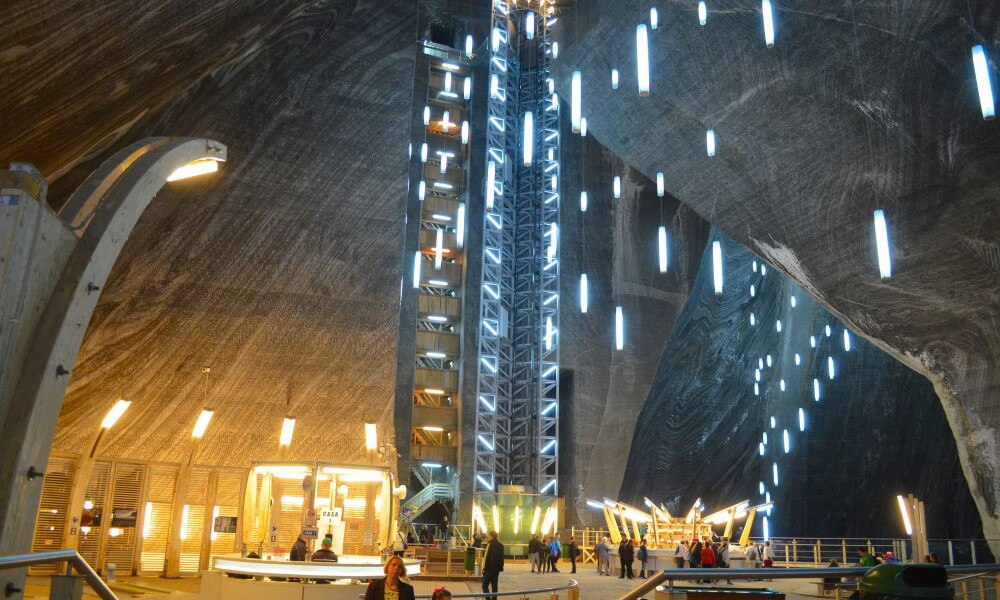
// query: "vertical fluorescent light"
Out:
[791,300]
[710,142]
[528,144]
[816,389]
[422,190]
[982,69]
[548,333]
[753,291]
[829,366]
[663,248]
[812,341]
[774,422]
[583,201]
[460,226]
[576,101]
[768,13]
[802,420]
[614,79]
[619,328]
[761,449]
[287,429]
[760,487]
[491,181]
[642,58]
[427,115]
[468,45]
[654,18]
[756,389]
[215,515]
[617,186]
[202,424]
[777,325]
[767,530]
[829,331]
[444,163]
[781,384]
[786,441]
[423,152]
[465,132]
[753,320]
[717,266]
[447,81]
[553,241]
[847,341]
[660,185]
[184,521]
[446,120]
[147,521]
[529,25]
[584,294]
[438,248]
[416,269]
[467,88]
[496,39]
[882,244]
[774,471]
[371,436]
[905,514]
[702,12]
[798,359]
[583,126]
[555,49]
[496,519]
[494,86]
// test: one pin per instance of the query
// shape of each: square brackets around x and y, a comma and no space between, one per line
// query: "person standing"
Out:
[535,554]
[695,552]
[643,556]
[722,557]
[707,557]
[574,551]
[391,587]
[768,555]
[492,564]
[603,557]
[299,550]
[626,554]
[680,553]
[399,544]
[555,551]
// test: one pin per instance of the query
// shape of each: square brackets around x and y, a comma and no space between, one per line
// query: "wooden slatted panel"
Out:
[191,532]
[354,518]
[156,519]
[51,523]
[90,532]
[125,496]
[227,504]
[290,522]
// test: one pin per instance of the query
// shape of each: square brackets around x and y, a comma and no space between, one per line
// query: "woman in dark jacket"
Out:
[391,587]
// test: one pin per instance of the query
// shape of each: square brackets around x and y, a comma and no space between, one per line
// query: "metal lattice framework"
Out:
[518,366]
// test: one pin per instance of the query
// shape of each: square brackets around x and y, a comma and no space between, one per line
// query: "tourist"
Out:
[446,527]
[680,553]
[722,557]
[866,559]
[934,558]
[707,557]
[603,553]
[546,563]
[643,556]
[492,564]
[535,554]
[767,554]
[399,544]
[626,554]
[299,550]
[477,540]
[555,552]
[325,553]
[751,555]
[391,586]
[695,553]
[440,594]
[574,551]
[426,537]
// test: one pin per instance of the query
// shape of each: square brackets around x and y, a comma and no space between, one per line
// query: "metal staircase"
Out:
[425,498]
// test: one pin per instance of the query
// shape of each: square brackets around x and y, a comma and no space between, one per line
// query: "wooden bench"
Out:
[825,587]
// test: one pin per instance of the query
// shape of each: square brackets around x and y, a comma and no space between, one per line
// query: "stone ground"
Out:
[517,576]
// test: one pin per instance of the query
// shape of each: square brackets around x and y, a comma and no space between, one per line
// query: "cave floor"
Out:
[517,576]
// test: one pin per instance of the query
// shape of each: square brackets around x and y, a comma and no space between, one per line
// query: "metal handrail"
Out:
[73,560]
[571,585]
[964,577]
[671,575]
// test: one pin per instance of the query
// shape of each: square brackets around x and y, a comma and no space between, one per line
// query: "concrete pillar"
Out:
[66,587]
[172,560]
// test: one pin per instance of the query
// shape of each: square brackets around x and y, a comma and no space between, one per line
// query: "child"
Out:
[441,594]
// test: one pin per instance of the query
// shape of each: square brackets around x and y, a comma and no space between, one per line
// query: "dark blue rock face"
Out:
[877,429]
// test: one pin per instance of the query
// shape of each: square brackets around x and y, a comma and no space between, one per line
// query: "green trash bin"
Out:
[895,580]
[470,559]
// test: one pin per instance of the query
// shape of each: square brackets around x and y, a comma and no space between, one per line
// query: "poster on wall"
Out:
[123,517]
[224,525]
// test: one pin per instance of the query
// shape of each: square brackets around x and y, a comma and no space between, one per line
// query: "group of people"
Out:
[628,551]
[544,553]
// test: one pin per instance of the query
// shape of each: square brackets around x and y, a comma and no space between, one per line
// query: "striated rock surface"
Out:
[282,272]
[614,244]
[877,429]
[858,106]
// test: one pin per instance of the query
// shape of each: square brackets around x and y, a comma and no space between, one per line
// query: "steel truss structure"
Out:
[517,413]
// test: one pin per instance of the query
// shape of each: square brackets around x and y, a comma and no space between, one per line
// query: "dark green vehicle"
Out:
[895,580]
